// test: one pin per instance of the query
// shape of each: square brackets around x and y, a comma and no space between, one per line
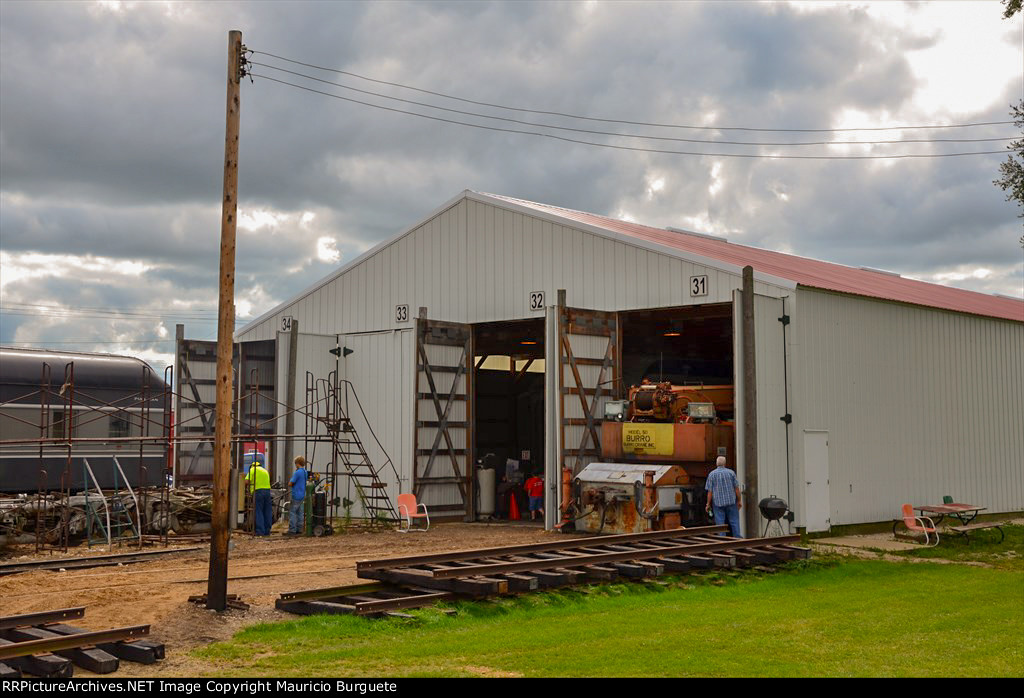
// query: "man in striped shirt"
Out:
[724,496]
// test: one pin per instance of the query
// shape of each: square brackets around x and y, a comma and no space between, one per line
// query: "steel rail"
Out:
[568,544]
[411,601]
[577,561]
[67,642]
[29,619]
[91,561]
[328,592]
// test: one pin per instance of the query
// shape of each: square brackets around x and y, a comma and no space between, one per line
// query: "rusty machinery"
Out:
[657,449]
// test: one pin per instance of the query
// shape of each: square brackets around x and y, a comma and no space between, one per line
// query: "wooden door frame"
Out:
[446,334]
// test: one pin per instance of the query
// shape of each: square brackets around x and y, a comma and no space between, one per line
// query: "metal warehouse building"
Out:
[872,389]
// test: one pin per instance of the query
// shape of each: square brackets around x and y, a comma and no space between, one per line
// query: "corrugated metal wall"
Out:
[918,403]
[771,356]
[381,370]
[476,262]
[771,399]
[313,356]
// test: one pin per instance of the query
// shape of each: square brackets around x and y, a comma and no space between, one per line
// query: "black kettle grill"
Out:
[774,509]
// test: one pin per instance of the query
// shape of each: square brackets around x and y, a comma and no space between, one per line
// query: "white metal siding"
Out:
[312,355]
[770,358]
[382,364]
[918,403]
[476,262]
[771,399]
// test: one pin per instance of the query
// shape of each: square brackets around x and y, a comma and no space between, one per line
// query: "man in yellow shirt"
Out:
[258,480]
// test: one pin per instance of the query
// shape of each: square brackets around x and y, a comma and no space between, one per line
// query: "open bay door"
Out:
[443,434]
[589,370]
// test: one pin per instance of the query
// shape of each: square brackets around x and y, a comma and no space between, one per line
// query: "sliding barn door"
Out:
[588,375]
[443,437]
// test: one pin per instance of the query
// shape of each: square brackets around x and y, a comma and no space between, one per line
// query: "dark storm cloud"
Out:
[112,131]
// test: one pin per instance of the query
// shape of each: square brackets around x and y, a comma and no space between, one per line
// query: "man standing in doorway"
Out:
[535,491]
[724,496]
[258,480]
[295,510]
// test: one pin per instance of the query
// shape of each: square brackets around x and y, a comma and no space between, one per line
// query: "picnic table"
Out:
[965,513]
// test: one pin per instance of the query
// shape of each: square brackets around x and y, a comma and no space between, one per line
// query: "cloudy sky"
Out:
[112,131]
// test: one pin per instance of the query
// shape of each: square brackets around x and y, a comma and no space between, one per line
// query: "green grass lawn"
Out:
[820,618]
[984,546]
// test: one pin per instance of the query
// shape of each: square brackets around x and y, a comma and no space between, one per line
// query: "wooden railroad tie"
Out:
[42,645]
[421,580]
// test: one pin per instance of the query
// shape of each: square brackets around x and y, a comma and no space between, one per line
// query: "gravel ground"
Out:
[156,592]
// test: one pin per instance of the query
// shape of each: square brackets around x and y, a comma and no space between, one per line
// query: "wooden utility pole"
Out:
[217,587]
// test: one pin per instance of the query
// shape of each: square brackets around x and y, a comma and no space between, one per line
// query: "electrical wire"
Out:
[629,135]
[623,121]
[127,317]
[83,307]
[632,148]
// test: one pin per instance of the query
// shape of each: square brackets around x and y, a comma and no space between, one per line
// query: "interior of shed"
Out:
[684,345]
[509,402]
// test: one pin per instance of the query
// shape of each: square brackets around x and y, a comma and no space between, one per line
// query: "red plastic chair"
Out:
[917,524]
[408,510]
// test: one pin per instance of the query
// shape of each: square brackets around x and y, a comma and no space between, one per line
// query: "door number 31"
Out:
[698,285]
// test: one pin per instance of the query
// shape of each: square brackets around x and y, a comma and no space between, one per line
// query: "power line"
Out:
[623,121]
[633,148]
[625,135]
[114,315]
[83,307]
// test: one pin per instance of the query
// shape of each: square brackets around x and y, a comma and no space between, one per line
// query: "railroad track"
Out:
[81,563]
[42,644]
[422,580]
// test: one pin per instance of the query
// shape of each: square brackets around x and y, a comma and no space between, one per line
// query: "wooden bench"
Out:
[966,530]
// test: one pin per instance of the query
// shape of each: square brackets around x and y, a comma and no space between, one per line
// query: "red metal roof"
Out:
[802,270]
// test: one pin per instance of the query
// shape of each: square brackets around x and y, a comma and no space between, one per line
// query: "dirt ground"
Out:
[156,592]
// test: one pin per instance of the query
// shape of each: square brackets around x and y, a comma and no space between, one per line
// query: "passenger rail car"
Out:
[93,407]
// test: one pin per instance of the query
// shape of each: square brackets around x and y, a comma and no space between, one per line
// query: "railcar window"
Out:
[120,427]
[58,426]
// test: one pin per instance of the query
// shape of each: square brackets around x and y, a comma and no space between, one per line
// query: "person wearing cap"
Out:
[296,512]
[724,497]
[258,480]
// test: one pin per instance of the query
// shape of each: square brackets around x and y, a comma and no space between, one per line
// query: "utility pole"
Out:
[217,587]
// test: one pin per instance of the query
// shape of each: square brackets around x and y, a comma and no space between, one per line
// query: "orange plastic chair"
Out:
[408,510]
[917,524]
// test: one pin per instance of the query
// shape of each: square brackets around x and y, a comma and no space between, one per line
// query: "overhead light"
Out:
[672,333]
[528,341]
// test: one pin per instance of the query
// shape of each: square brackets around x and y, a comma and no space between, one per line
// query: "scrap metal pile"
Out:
[42,644]
[50,519]
[422,580]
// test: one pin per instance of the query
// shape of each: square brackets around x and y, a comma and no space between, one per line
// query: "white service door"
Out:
[816,496]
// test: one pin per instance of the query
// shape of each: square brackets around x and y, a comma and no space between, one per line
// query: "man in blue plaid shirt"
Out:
[724,496]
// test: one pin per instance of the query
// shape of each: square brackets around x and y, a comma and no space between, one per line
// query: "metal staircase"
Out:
[330,401]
